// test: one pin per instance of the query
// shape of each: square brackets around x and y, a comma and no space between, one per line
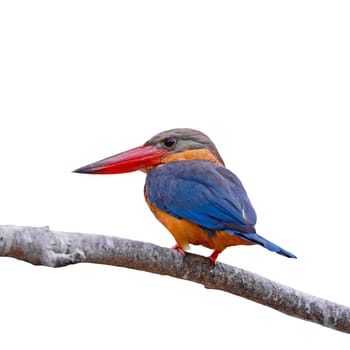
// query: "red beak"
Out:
[135,159]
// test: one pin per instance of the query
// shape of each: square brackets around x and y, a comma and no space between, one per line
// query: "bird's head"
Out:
[165,147]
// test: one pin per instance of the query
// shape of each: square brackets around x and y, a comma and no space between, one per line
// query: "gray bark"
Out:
[40,246]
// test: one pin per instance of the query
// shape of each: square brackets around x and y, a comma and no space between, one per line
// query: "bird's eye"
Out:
[169,142]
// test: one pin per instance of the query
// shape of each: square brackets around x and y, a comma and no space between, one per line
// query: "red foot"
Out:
[214,256]
[179,249]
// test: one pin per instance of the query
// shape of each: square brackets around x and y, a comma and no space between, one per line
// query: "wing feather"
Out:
[202,192]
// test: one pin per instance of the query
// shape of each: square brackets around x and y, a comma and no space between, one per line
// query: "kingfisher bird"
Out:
[190,191]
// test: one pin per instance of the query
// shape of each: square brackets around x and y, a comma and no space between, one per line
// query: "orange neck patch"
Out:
[191,154]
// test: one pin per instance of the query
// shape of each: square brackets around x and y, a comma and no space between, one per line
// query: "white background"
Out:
[268,81]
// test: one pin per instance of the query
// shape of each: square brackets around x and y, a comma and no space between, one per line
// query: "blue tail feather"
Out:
[255,238]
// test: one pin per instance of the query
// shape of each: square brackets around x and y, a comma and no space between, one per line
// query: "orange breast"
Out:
[186,232]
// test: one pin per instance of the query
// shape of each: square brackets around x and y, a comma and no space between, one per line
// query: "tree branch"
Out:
[40,246]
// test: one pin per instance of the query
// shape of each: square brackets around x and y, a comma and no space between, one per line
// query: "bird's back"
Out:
[197,201]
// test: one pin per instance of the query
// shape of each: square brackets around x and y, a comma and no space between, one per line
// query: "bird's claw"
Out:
[213,257]
[179,249]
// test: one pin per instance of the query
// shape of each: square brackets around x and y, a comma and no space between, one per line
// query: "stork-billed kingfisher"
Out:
[190,191]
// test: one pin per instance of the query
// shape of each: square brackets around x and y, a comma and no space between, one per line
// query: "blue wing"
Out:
[207,194]
[202,192]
